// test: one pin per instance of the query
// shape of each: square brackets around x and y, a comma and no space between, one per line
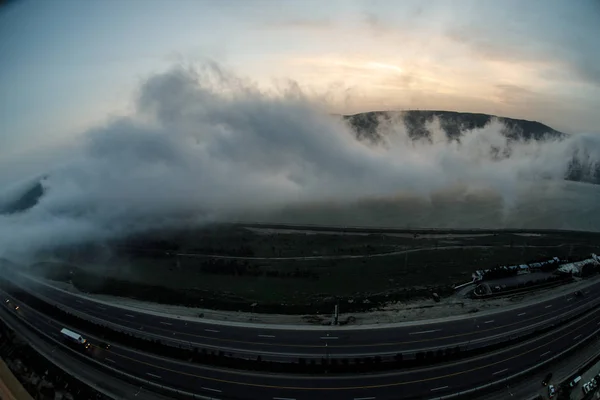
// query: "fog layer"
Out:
[203,145]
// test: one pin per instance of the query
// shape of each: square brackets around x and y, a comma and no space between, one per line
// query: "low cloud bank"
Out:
[204,145]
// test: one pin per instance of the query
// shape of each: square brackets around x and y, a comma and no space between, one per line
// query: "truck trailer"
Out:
[74,337]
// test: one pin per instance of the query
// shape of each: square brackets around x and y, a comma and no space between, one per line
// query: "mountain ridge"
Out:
[454,124]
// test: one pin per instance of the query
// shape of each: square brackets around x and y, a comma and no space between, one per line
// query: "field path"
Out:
[348,256]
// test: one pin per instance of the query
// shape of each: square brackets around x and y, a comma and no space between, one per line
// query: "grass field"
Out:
[355,266]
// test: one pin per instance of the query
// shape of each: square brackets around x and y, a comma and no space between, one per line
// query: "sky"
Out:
[68,65]
[141,115]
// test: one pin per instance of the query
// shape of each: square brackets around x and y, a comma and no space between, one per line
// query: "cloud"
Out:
[553,35]
[318,25]
[515,97]
[205,145]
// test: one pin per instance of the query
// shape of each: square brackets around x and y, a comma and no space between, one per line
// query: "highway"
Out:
[339,342]
[428,382]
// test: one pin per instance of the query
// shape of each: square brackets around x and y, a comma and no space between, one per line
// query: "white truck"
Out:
[74,337]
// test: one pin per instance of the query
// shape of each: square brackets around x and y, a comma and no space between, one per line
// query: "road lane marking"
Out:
[166,323]
[431,331]
[501,371]
[130,316]
[576,337]
[548,306]
[328,337]
[489,322]
[439,388]
[548,352]
[211,389]
[586,292]
[79,301]
[212,330]
[156,376]
[109,360]
[569,299]
[102,308]
[266,336]
[364,398]
[523,313]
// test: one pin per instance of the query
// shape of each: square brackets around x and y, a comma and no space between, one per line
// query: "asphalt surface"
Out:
[335,341]
[67,361]
[527,387]
[428,382]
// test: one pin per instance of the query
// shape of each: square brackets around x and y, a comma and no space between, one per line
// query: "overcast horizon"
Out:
[151,114]
[67,65]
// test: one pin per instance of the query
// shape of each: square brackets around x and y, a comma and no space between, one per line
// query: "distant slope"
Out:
[581,168]
[453,123]
[24,200]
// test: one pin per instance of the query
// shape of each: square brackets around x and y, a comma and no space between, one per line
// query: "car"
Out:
[546,380]
[587,387]
[578,293]
[104,345]
[13,305]
[551,391]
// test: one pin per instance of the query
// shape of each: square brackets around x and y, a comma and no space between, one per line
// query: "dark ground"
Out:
[230,267]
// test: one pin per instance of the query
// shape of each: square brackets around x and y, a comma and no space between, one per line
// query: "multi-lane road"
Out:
[355,341]
[428,382]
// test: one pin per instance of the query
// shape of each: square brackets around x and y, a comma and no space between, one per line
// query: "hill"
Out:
[23,200]
[582,167]
[453,123]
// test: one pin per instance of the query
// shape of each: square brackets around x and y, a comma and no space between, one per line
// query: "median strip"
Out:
[421,332]
[501,371]
[211,389]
